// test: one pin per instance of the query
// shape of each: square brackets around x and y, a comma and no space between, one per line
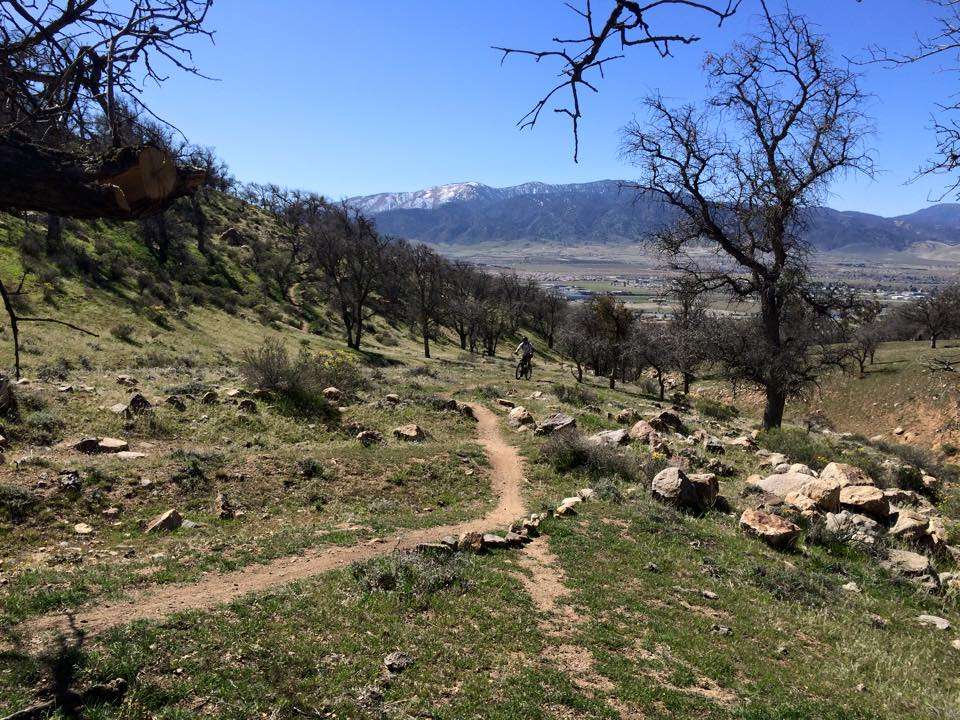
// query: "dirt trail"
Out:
[212,590]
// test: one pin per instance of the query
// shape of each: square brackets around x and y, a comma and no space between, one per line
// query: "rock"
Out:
[673,486]
[112,445]
[235,393]
[210,397]
[82,529]
[165,522]
[392,399]
[138,404]
[397,662]
[247,406]
[643,431]
[932,620]
[865,500]
[494,542]
[555,423]
[825,494]
[223,507]
[466,411]
[930,483]
[936,535]
[743,441]
[87,445]
[802,469]
[503,402]
[898,431]
[610,437]
[119,409]
[910,525]
[126,380]
[845,475]
[586,493]
[780,484]
[851,587]
[111,512]
[131,455]
[471,542]
[65,388]
[333,394]
[908,564]
[518,416]
[858,528]
[776,531]
[627,415]
[774,460]
[176,402]
[369,437]
[410,433]
[667,421]
[782,469]
[515,539]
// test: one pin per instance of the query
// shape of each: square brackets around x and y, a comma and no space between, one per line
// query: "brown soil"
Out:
[216,589]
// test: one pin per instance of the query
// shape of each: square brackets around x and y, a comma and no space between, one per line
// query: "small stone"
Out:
[397,662]
[555,423]
[165,522]
[932,620]
[223,507]
[392,398]
[210,397]
[119,409]
[138,404]
[410,433]
[518,416]
[126,380]
[82,529]
[471,542]
[851,587]
[494,541]
[776,531]
[333,394]
[131,455]
[112,445]
[247,406]
[369,437]
[503,402]
[87,445]
[176,402]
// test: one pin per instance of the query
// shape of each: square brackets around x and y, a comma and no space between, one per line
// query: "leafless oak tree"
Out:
[783,122]
[606,37]
[64,64]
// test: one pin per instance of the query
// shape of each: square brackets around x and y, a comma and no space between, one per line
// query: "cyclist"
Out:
[525,351]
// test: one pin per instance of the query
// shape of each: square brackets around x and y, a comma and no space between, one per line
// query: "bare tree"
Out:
[942,43]
[348,256]
[549,308]
[606,38]
[784,121]
[64,63]
[936,314]
[426,272]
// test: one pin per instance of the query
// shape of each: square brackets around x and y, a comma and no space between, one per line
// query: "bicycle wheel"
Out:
[519,371]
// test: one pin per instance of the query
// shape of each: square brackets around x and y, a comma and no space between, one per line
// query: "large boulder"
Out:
[845,475]
[642,431]
[674,486]
[825,494]
[112,445]
[519,416]
[666,421]
[910,525]
[410,433]
[776,531]
[611,437]
[626,416]
[780,484]
[555,423]
[866,500]
[912,565]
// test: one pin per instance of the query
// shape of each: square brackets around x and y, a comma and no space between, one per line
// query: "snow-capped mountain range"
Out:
[606,213]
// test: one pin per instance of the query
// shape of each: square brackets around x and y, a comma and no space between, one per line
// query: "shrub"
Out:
[59,369]
[123,332]
[798,445]
[16,501]
[577,395]
[570,450]
[715,409]
[297,384]
[416,574]
[920,458]
[806,587]
[42,427]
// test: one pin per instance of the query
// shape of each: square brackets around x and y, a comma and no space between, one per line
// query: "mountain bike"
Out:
[524,369]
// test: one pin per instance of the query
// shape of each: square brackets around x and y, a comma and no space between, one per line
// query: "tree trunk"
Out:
[687,379]
[933,342]
[773,411]
[426,340]
[54,241]
[123,184]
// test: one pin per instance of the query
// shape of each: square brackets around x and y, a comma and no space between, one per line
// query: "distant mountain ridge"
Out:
[605,213]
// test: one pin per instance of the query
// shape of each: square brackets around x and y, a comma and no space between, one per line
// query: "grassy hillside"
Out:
[627,609]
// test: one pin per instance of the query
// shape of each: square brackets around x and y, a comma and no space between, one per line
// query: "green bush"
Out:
[123,332]
[570,450]
[715,409]
[16,501]
[41,427]
[798,445]
[577,395]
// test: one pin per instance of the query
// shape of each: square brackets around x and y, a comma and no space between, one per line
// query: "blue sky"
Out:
[351,98]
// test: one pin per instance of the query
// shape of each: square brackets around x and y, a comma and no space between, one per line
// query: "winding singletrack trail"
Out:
[160,601]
